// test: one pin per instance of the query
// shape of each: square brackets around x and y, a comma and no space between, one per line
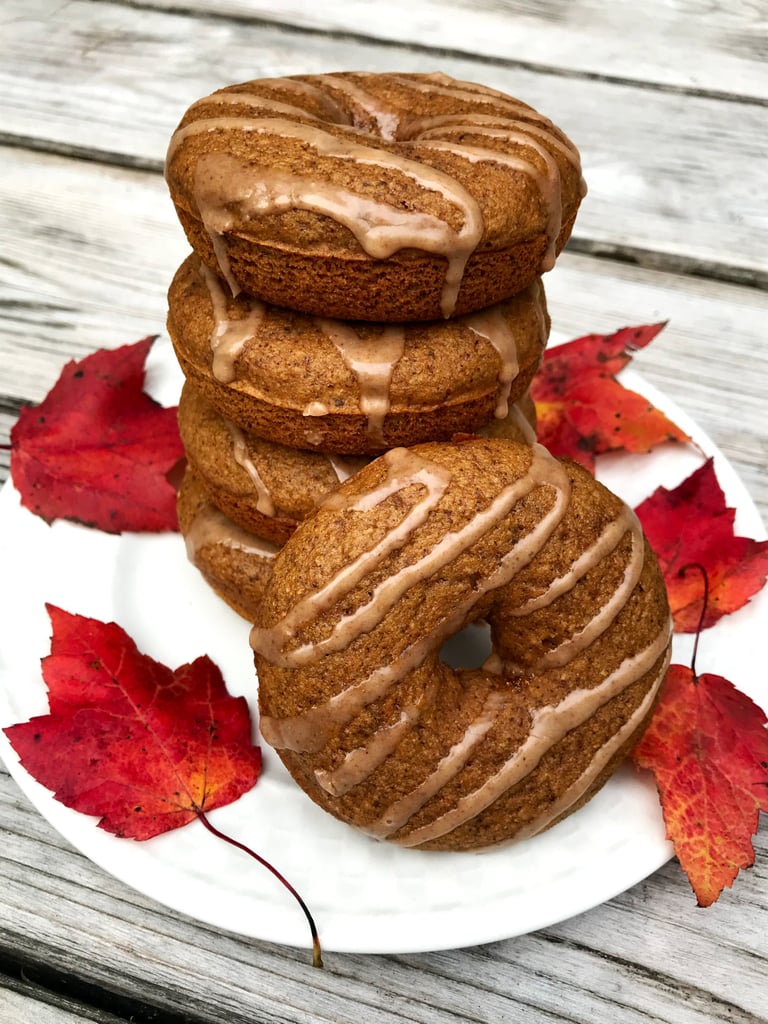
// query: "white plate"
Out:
[365,896]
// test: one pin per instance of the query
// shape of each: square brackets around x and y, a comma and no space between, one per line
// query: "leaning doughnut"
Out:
[352,691]
[267,488]
[328,194]
[312,382]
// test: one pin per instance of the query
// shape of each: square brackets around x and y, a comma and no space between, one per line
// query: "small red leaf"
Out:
[98,449]
[692,523]
[145,748]
[707,745]
[583,411]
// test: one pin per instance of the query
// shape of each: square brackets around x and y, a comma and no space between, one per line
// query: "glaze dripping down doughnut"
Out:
[353,693]
[352,387]
[327,194]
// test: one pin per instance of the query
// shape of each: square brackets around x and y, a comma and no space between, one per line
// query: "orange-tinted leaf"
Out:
[143,747]
[98,449]
[692,523]
[583,411]
[707,745]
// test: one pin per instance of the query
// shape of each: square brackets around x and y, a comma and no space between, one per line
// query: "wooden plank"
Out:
[93,249]
[716,47]
[638,956]
[675,180]
[37,1006]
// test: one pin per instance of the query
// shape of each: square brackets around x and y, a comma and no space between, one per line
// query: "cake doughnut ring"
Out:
[354,388]
[267,488]
[352,690]
[324,193]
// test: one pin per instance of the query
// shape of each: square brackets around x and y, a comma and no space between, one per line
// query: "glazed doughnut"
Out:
[234,563]
[315,382]
[324,193]
[352,690]
[266,487]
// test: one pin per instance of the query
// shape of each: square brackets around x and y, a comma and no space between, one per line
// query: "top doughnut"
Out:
[382,197]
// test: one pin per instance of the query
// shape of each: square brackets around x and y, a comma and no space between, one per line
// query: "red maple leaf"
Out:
[98,449]
[692,523]
[583,411]
[145,748]
[707,745]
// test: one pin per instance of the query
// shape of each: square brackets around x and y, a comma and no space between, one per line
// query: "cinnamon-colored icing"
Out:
[357,387]
[264,502]
[229,188]
[224,183]
[372,360]
[548,725]
[527,432]
[424,486]
[211,527]
[492,325]
[387,121]
[228,336]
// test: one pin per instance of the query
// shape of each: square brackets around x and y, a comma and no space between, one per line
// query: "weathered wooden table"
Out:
[667,102]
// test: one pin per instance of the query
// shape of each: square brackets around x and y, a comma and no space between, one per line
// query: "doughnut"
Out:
[356,388]
[385,197]
[266,487]
[353,694]
[235,564]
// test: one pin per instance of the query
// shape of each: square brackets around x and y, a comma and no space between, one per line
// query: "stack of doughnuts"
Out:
[358,327]
[365,275]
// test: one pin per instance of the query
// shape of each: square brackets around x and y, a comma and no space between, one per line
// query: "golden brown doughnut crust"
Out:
[235,565]
[352,692]
[296,379]
[325,193]
[266,487]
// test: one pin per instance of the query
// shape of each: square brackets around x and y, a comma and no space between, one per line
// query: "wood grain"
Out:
[639,955]
[717,48]
[675,180]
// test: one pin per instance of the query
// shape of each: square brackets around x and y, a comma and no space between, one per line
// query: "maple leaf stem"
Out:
[317,959]
[681,572]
